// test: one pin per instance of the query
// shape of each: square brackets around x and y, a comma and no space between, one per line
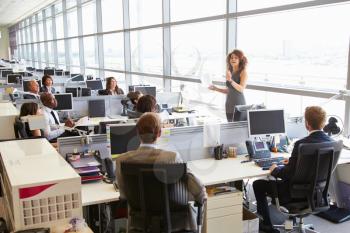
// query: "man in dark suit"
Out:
[33,88]
[315,118]
[149,130]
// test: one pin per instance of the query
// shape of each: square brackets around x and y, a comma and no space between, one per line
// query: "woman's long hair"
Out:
[108,83]
[243,61]
[28,109]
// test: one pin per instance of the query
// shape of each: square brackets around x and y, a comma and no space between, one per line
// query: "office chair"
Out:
[19,128]
[103,125]
[309,185]
[154,192]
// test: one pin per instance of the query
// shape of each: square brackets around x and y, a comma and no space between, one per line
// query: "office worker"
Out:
[314,122]
[47,83]
[149,130]
[53,129]
[236,82]
[30,109]
[111,88]
[33,87]
[134,97]
[146,103]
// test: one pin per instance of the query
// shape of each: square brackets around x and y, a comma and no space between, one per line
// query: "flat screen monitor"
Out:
[72,90]
[59,72]
[97,108]
[146,90]
[240,111]
[14,78]
[4,73]
[77,77]
[49,72]
[66,73]
[85,91]
[266,122]
[103,124]
[123,138]
[94,84]
[25,84]
[64,102]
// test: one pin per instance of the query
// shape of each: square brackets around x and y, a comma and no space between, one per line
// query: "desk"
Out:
[8,112]
[98,193]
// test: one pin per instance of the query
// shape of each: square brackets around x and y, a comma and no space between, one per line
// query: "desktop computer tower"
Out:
[40,188]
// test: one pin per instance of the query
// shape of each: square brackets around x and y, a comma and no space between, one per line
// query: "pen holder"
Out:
[218,152]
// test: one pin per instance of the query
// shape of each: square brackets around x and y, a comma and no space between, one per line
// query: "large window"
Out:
[145,12]
[90,51]
[59,26]
[112,17]
[61,52]
[147,51]
[49,29]
[74,51]
[114,51]
[298,48]
[89,17]
[72,22]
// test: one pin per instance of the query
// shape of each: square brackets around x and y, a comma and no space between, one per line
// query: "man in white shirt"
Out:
[53,129]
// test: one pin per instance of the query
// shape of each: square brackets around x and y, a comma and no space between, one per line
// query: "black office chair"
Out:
[154,192]
[19,128]
[309,185]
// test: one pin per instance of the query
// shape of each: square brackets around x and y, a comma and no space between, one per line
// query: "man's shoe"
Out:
[267,228]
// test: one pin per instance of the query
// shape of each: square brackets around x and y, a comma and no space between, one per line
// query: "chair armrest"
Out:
[200,211]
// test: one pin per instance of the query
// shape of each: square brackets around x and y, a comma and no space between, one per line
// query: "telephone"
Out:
[257,149]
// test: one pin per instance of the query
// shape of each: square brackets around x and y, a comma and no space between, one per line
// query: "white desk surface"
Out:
[7,109]
[94,121]
[97,193]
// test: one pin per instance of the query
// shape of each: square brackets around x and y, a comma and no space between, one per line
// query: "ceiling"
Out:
[12,11]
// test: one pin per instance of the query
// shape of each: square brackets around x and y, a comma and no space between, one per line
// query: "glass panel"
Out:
[70,3]
[90,51]
[34,27]
[112,16]
[50,52]
[120,79]
[29,49]
[61,52]
[72,21]
[48,12]
[40,15]
[59,26]
[184,9]
[94,73]
[41,31]
[244,5]
[33,19]
[58,7]
[198,51]
[49,29]
[114,51]
[74,51]
[145,12]
[89,18]
[42,52]
[147,51]
[35,52]
[28,37]
[288,53]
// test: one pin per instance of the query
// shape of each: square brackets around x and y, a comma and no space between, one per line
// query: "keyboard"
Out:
[267,162]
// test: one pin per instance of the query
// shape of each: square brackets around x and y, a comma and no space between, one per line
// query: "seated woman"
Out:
[146,103]
[30,109]
[134,97]
[111,88]
[47,82]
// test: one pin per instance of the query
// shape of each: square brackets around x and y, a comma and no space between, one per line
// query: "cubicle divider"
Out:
[84,143]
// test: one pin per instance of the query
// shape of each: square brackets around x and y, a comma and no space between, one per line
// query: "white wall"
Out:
[4,43]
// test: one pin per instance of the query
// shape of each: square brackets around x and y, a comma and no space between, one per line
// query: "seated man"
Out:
[314,122]
[149,130]
[53,129]
[33,87]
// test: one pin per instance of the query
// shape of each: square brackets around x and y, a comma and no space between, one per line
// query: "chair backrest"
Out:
[103,125]
[315,165]
[19,128]
[155,190]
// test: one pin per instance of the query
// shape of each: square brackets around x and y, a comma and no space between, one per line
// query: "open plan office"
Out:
[226,116]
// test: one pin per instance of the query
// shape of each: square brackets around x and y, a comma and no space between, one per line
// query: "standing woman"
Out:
[47,83]
[111,88]
[236,82]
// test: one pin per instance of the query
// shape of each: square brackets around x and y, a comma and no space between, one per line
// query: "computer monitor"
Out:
[25,84]
[66,73]
[240,111]
[59,72]
[97,108]
[265,122]
[85,91]
[123,138]
[72,90]
[94,84]
[103,124]
[49,72]
[14,78]
[146,90]
[77,77]
[64,102]
[4,73]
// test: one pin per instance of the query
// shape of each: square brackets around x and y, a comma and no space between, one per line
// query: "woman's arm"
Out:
[221,90]
[240,87]
[36,133]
